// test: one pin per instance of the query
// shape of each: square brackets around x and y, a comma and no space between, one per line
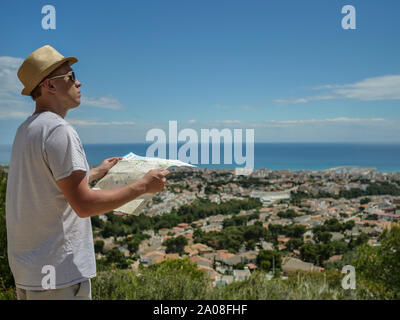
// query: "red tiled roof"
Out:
[380,213]
[195,259]
[284,240]
[336,257]
[226,255]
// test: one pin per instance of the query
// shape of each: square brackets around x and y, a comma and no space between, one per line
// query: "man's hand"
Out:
[87,202]
[100,171]
[154,180]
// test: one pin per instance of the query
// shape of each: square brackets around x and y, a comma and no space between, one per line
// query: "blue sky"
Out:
[284,68]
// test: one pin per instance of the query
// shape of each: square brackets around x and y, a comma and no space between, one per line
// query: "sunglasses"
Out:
[70,74]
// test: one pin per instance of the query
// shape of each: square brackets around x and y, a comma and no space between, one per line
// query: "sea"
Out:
[384,157]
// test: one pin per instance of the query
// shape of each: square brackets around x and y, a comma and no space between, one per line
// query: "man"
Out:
[49,202]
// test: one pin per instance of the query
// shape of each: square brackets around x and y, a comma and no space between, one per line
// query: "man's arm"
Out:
[94,174]
[87,202]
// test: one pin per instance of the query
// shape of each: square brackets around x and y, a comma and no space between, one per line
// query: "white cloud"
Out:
[295,123]
[303,100]
[318,122]
[12,104]
[370,89]
[15,106]
[4,114]
[328,129]
[291,100]
[107,102]
[219,122]
[335,120]
[10,62]
[379,88]
[9,83]
[301,123]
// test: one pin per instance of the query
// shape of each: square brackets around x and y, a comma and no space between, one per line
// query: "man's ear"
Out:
[47,84]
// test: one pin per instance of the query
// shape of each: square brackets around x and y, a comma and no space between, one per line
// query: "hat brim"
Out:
[45,73]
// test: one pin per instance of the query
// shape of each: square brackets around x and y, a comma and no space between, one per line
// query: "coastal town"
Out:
[296,214]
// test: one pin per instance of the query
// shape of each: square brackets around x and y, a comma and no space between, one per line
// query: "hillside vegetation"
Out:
[377,272]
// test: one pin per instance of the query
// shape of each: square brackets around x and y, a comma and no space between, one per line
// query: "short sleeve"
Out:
[64,152]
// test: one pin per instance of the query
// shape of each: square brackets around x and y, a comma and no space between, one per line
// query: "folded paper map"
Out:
[130,169]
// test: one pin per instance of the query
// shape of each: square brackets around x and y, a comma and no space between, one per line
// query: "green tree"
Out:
[309,252]
[333,225]
[115,256]
[294,244]
[133,245]
[361,239]
[339,247]
[99,246]
[365,201]
[6,277]
[97,222]
[316,253]
[379,266]
[289,214]
[176,245]
[322,236]
[240,266]
[235,221]
[112,230]
[349,225]
[266,259]
[250,245]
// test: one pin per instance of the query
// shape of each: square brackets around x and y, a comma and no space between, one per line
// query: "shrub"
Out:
[299,286]
[378,267]
[173,279]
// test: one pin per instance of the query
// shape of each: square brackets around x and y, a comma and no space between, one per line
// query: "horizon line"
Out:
[256,142]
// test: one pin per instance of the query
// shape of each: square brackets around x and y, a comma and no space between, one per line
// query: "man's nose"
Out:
[78,83]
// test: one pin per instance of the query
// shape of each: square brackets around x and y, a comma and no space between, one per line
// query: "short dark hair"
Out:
[36,93]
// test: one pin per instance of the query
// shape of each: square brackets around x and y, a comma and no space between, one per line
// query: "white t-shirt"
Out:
[42,228]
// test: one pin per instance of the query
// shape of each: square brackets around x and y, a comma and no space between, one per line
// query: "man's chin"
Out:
[75,105]
[77,102]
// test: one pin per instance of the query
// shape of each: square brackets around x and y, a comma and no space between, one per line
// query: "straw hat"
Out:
[39,64]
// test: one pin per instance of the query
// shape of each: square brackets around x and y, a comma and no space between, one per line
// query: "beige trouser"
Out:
[79,291]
